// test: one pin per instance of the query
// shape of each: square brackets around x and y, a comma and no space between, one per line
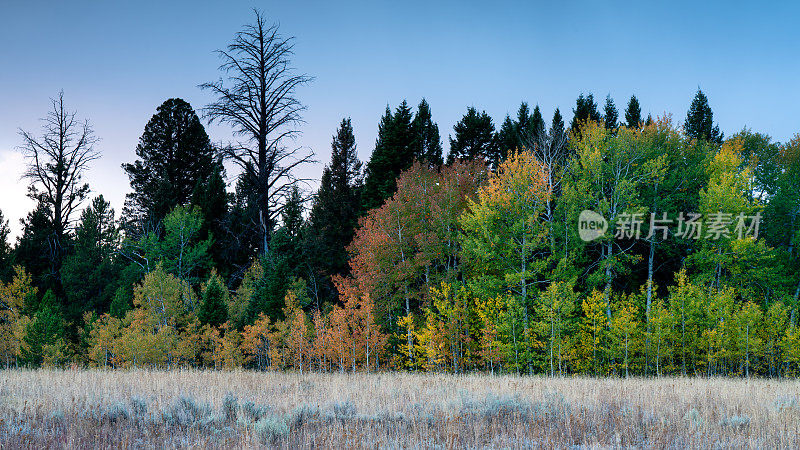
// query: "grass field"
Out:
[244,409]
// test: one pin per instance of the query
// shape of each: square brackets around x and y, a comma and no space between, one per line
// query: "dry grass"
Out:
[245,409]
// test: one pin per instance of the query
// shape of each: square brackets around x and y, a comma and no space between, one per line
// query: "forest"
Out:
[469,260]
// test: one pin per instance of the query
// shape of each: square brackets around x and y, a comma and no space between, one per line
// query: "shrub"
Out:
[271,427]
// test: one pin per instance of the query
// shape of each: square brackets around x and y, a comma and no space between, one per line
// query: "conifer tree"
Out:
[175,155]
[334,213]
[506,139]
[6,252]
[426,132]
[610,114]
[538,127]
[633,113]
[213,308]
[585,110]
[700,120]
[89,275]
[44,332]
[474,138]
[39,249]
[394,152]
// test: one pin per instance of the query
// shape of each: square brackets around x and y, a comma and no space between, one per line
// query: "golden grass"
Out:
[187,408]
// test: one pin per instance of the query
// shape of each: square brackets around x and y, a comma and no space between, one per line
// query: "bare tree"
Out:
[57,161]
[258,101]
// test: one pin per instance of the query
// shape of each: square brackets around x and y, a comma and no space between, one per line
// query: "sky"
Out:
[118,61]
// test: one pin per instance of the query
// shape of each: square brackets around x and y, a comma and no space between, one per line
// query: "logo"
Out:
[591,225]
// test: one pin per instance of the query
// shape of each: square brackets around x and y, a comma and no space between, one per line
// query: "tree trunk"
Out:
[648,303]
[609,278]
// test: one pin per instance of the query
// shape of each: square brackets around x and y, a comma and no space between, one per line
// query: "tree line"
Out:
[416,260]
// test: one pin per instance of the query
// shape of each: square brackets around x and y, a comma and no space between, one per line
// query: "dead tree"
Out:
[258,100]
[57,161]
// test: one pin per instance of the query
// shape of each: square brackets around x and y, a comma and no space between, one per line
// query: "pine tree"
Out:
[213,308]
[89,275]
[334,213]
[585,110]
[610,114]
[6,252]
[700,121]
[633,113]
[524,123]
[211,198]
[426,132]
[394,152]
[557,125]
[557,134]
[538,127]
[474,138]
[38,249]
[44,332]
[175,155]
[288,239]
[507,140]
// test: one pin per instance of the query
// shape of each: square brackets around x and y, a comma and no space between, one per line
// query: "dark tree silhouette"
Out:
[175,158]
[57,161]
[258,101]
[633,113]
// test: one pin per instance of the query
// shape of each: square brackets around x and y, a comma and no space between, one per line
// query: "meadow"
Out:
[194,408]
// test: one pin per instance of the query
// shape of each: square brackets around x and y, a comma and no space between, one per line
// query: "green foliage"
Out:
[89,275]
[336,208]
[175,155]
[37,249]
[394,152]
[633,113]
[213,309]
[610,114]
[585,111]
[699,123]
[6,251]
[182,251]
[428,145]
[474,138]
[44,335]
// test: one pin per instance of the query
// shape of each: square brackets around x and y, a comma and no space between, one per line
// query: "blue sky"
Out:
[117,61]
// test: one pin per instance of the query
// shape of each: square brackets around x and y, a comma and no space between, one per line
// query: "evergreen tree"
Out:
[700,121]
[524,122]
[474,138]
[38,247]
[212,199]
[556,127]
[633,113]
[610,114]
[288,239]
[585,110]
[334,213]
[426,132]
[506,139]
[394,152]
[649,120]
[175,155]
[538,126]
[121,303]
[43,335]
[89,274]
[6,252]
[213,308]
